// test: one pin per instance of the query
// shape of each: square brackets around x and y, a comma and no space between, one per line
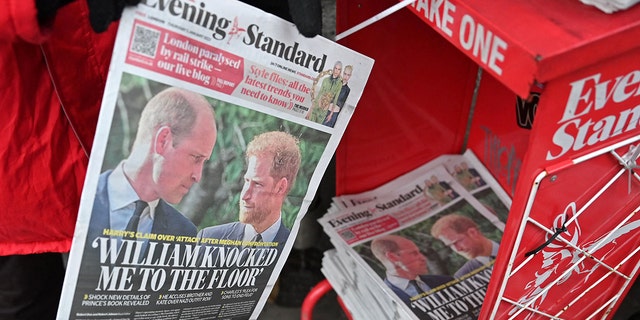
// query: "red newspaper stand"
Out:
[456,74]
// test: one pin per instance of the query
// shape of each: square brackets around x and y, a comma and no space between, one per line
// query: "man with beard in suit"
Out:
[273,160]
[464,237]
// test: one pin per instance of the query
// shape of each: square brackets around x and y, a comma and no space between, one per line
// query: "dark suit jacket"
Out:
[167,220]
[235,231]
[468,267]
[432,281]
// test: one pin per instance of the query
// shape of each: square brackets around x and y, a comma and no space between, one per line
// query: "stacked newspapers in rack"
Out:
[611,6]
[421,246]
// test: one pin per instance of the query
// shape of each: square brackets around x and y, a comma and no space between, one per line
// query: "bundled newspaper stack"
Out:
[611,6]
[421,246]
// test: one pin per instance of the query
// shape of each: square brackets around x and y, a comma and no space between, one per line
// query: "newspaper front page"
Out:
[217,124]
[427,240]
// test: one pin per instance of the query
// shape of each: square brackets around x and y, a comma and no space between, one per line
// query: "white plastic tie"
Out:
[373,19]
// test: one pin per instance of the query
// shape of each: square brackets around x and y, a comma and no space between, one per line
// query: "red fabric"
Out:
[50,95]
[18,21]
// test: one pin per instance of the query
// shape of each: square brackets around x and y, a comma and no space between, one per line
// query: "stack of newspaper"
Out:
[421,246]
[611,6]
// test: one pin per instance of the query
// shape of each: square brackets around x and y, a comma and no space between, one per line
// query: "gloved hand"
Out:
[307,16]
[103,12]
[47,10]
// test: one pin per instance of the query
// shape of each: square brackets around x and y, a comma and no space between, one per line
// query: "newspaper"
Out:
[350,200]
[362,297]
[439,225]
[188,211]
[611,6]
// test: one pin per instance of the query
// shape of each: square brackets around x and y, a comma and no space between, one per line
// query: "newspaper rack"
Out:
[464,74]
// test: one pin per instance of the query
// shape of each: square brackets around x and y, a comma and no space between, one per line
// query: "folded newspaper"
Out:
[611,6]
[217,124]
[421,246]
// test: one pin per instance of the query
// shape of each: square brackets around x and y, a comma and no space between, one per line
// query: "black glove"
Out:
[103,12]
[47,10]
[307,16]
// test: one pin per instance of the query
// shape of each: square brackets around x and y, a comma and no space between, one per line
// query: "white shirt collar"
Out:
[404,285]
[399,282]
[494,253]
[268,235]
[122,194]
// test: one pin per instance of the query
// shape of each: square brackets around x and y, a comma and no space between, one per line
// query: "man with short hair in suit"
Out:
[462,235]
[407,272]
[273,159]
[176,135]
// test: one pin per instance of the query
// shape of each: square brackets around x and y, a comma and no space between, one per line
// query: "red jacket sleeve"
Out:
[19,22]
[50,100]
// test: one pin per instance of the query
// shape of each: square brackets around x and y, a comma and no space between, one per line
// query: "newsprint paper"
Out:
[217,124]
[421,246]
